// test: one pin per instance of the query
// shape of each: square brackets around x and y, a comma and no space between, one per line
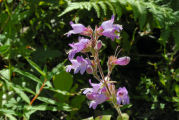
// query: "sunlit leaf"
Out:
[35,66]
[103,117]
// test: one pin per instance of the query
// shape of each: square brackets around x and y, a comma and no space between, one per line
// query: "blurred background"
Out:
[33,58]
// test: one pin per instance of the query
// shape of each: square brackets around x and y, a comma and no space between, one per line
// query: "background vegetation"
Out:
[32,54]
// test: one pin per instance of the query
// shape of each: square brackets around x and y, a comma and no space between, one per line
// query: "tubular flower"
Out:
[79,29]
[108,29]
[96,94]
[77,47]
[119,61]
[79,65]
[122,96]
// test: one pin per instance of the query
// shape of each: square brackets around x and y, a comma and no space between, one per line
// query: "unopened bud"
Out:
[88,31]
[122,61]
[89,69]
[119,61]
[99,31]
[98,45]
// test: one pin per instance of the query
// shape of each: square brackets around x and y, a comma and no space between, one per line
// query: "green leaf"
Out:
[103,117]
[71,7]
[103,6]
[5,73]
[77,101]
[139,9]
[11,117]
[58,91]
[63,81]
[18,90]
[97,9]
[35,66]
[177,89]
[111,7]
[27,74]
[4,49]
[176,38]
[90,118]
[125,116]
[9,1]
[44,107]
[21,94]
[47,100]
[7,111]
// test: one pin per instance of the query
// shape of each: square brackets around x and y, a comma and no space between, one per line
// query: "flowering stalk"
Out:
[105,89]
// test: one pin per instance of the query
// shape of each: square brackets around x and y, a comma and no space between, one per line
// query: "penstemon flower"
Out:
[109,29]
[78,47]
[119,61]
[79,65]
[96,94]
[122,96]
[79,29]
[105,89]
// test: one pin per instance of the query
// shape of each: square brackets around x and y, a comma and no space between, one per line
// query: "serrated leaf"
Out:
[97,9]
[71,7]
[103,6]
[111,7]
[118,10]
[139,10]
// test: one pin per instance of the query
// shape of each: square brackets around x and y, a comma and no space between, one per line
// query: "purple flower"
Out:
[98,45]
[89,69]
[96,94]
[118,61]
[77,47]
[122,96]
[79,65]
[122,61]
[79,29]
[108,29]
[99,98]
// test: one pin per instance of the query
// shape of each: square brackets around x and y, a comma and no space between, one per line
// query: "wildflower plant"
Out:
[105,89]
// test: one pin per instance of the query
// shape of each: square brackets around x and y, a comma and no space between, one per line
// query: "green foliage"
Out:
[33,46]
[63,81]
[144,13]
[102,117]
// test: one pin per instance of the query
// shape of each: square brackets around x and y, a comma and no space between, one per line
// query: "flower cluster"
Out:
[105,89]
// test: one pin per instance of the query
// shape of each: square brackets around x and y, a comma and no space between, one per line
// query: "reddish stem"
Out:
[41,88]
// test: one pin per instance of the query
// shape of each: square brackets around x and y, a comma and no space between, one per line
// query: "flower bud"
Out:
[122,61]
[98,45]
[88,31]
[89,69]
[119,61]
[99,31]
